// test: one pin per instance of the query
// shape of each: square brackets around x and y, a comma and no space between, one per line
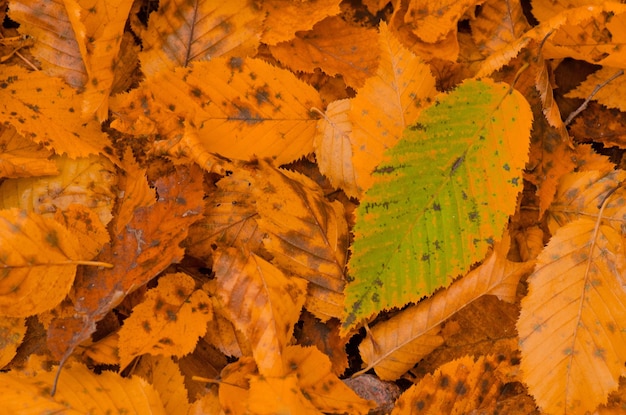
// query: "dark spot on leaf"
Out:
[166,340]
[171,107]
[3,85]
[444,382]
[180,293]
[94,81]
[196,92]
[384,170]
[52,238]
[460,388]
[159,304]
[488,367]
[457,163]
[71,109]
[146,326]
[108,150]
[436,207]
[376,298]
[514,360]
[235,63]
[419,405]
[425,257]
[417,127]
[262,96]
[181,200]
[171,315]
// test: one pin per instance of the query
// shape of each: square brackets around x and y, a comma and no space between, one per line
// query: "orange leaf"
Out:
[165,377]
[349,147]
[47,110]
[235,385]
[79,391]
[148,245]
[89,182]
[284,17]
[271,395]
[262,302]
[168,322]
[21,157]
[458,387]
[12,331]
[306,234]
[249,108]
[47,255]
[183,32]
[56,46]
[569,327]
[394,346]
[87,229]
[611,96]
[498,24]
[334,46]
[432,20]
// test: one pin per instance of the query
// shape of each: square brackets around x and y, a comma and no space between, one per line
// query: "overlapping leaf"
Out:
[181,32]
[249,108]
[610,96]
[48,255]
[355,133]
[262,302]
[394,346]
[170,319]
[431,214]
[334,46]
[46,109]
[87,181]
[79,391]
[22,157]
[569,326]
[498,24]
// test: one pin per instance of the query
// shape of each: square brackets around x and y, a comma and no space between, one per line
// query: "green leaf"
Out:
[441,197]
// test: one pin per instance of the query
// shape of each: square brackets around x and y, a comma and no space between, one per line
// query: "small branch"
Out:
[590,97]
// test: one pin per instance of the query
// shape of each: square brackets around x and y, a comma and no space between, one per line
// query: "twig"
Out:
[590,97]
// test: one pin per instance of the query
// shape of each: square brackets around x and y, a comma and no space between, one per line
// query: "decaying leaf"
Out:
[394,346]
[168,322]
[21,157]
[569,326]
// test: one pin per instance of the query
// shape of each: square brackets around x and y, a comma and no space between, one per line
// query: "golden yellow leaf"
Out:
[581,194]
[570,323]
[12,331]
[79,391]
[498,24]
[349,148]
[306,234]
[56,46]
[165,377]
[395,345]
[86,227]
[100,28]
[249,108]
[336,47]
[135,192]
[168,322]
[105,351]
[272,395]
[611,96]
[262,302]
[284,17]
[235,385]
[47,110]
[21,157]
[86,181]
[432,20]
[47,256]
[320,385]
[180,32]
[459,387]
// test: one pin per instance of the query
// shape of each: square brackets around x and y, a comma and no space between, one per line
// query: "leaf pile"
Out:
[232,207]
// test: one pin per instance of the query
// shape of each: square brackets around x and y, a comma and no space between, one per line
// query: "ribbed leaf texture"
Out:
[571,322]
[440,199]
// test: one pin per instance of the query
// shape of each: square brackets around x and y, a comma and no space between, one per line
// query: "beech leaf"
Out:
[262,302]
[48,256]
[12,331]
[429,215]
[569,326]
[179,33]
[22,157]
[394,346]
[168,322]
[79,391]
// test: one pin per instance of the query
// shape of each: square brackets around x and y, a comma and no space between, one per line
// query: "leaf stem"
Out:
[590,97]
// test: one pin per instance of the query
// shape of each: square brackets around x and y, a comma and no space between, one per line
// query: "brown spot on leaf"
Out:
[146,326]
[166,340]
